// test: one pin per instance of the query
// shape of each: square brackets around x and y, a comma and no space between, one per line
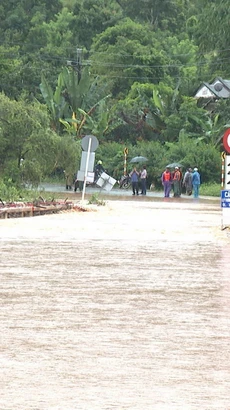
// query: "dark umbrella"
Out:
[138,160]
[174,164]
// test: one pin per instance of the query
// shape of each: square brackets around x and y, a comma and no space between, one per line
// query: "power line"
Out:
[114,65]
[36,45]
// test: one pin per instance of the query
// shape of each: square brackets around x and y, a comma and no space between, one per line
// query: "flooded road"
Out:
[125,307]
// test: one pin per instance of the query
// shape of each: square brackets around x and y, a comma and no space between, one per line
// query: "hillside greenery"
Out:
[126,72]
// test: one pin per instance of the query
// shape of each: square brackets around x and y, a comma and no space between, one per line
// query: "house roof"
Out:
[218,89]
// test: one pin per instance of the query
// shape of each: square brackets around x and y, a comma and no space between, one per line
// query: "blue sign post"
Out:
[225,198]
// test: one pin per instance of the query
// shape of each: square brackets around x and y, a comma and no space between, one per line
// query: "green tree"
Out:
[130,52]
[16,20]
[92,18]
[166,15]
[19,121]
[213,14]
[195,153]
[28,148]
[42,33]
[146,108]
[211,33]
[58,37]
[126,53]
[138,112]
[10,67]
[48,47]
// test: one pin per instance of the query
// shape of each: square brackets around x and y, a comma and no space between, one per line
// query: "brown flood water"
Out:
[127,307]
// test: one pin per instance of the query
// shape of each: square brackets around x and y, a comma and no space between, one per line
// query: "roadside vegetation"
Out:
[96,199]
[210,190]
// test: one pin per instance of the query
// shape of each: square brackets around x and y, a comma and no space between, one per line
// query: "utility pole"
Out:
[79,63]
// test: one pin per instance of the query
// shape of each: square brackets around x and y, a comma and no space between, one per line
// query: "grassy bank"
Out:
[210,190]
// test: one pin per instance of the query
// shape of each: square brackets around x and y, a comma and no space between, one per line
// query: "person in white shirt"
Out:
[143,180]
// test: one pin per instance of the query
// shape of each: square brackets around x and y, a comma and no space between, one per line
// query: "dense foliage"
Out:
[125,71]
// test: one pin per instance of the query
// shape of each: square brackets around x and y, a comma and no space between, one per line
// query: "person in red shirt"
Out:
[166,179]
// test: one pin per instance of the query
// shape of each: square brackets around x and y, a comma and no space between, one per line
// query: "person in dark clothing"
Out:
[181,180]
[68,180]
[177,182]
[99,169]
[187,181]
[77,184]
[134,180]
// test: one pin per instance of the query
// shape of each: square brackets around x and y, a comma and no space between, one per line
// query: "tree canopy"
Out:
[126,71]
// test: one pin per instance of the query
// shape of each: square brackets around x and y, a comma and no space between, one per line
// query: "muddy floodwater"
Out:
[124,307]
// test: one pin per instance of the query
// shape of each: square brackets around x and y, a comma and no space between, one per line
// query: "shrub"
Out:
[95,200]
[9,192]
[210,189]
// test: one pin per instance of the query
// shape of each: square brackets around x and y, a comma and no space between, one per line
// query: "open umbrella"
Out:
[174,164]
[138,159]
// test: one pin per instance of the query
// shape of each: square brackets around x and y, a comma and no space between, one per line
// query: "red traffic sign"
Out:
[226,140]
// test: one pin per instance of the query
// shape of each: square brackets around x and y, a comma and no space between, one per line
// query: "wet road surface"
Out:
[124,307]
[115,192]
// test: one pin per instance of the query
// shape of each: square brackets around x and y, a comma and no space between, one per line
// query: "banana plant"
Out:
[102,122]
[73,102]
[55,101]
[98,120]
[75,92]
[162,107]
[214,131]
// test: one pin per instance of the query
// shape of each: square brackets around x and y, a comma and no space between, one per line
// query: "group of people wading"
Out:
[176,180]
